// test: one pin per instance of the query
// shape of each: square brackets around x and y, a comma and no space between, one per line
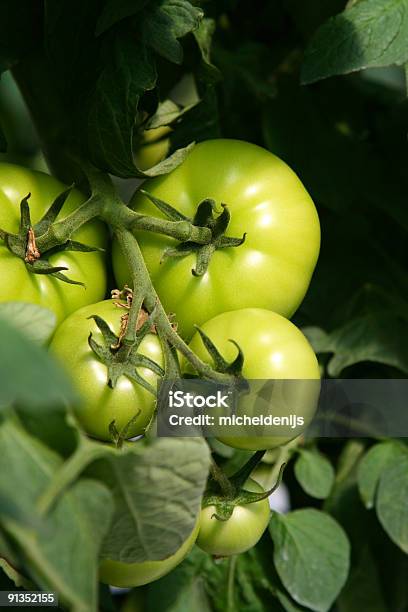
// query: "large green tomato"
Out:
[17,283]
[123,575]
[272,269]
[274,350]
[240,532]
[101,404]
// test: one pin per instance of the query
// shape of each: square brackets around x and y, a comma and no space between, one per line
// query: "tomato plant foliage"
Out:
[128,89]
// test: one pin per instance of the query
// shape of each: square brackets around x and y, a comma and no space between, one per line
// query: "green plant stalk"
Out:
[120,216]
[142,281]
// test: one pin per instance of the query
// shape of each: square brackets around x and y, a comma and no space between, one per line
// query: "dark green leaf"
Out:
[157,488]
[203,35]
[62,551]
[35,322]
[370,33]
[311,556]
[373,465]
[128,73]
[166,22]
[28,375]
[391,504]
[314,473]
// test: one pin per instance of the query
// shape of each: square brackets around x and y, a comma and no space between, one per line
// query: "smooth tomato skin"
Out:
[101,404]
[273,349]
[125,575]
[267,200]
[153,147]
[89,268]
[240,532]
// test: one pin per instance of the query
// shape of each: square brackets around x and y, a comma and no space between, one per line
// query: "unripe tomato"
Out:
[101,404]
[121,574]
[272,269]
[17,283]
[240,532]
[274,349]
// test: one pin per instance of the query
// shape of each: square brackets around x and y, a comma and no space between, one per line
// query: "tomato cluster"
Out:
[246,290]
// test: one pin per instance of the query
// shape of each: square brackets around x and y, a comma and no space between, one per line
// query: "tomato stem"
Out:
[143,286]
[218,475]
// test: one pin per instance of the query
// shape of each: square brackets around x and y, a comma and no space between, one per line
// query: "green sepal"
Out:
[170,212]
[73,245]
[119,437]
[109,337]
[123,360]
[221,365]
[204,217]
[17,243]
[204,255]
[25,217]
[236,366]
[14,243]
[224,506]
[52,213]
[42,266]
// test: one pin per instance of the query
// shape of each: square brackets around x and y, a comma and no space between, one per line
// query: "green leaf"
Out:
[166,22]
[392,501]
[34,322]
[311,556]
[115,11]
[377,337]
[167,112]
[157,488]
[371,33]
[28,375]
[314,473]
[203,36]
[129,72]
[373,465]
[363,590]
[168,164]
[184,588]
[62,552]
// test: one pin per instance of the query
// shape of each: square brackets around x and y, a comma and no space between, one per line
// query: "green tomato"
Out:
[272,269]
[240,532]
[274,350]
[121,574]
[17,283]
[153,148]
[101,404]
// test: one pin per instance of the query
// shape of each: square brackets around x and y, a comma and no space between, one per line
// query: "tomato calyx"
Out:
[122,359]
[120,436]
[205,218]
[226,493]
[24,243]
[221,365]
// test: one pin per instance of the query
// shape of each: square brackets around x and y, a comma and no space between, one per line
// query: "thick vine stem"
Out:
[61,231]
[143,285]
